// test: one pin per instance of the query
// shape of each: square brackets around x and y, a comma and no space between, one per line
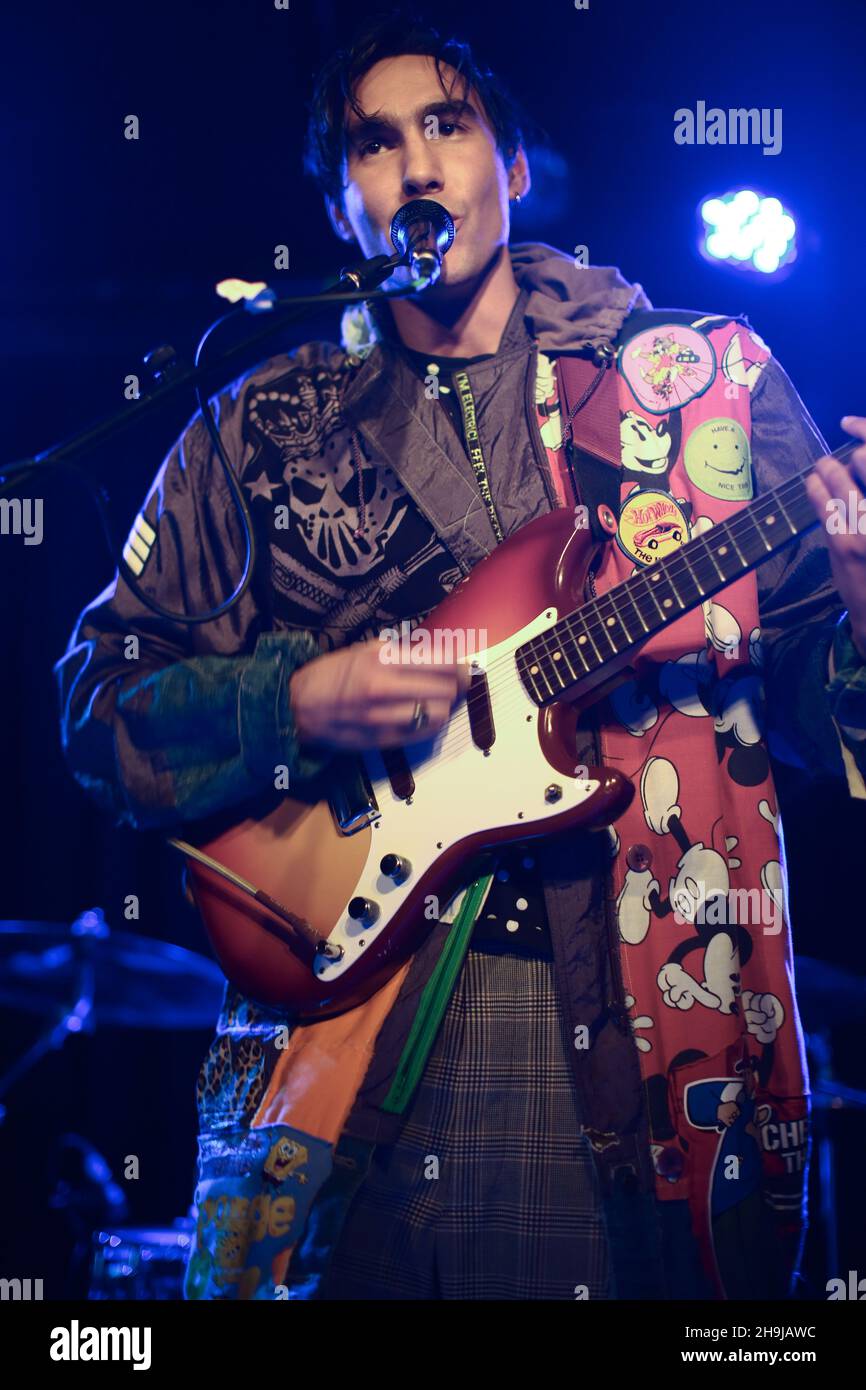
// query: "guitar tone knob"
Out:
[394,866]
[553,792]
[364,911]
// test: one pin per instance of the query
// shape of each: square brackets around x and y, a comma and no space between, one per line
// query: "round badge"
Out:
[651,525]
[744,359]
[718,460]
[668,366]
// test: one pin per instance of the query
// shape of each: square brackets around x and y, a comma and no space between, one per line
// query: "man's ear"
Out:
[339,220]
[519,178]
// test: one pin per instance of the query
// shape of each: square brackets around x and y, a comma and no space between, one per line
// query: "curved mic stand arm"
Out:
[171,378]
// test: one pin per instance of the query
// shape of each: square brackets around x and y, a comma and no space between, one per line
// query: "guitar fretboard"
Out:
[608,626]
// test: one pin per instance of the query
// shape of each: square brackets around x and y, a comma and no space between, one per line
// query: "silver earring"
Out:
[516,198]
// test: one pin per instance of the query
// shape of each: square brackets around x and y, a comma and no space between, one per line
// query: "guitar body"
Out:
[465,798]
[332,895]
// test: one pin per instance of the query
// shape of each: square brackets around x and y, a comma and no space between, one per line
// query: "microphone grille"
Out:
[418,208]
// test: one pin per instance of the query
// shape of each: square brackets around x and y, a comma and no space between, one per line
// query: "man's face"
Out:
[415,144]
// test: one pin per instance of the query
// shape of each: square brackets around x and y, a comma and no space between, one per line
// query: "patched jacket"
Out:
[320,438]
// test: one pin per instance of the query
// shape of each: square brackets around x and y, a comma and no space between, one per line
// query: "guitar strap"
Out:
[591,437]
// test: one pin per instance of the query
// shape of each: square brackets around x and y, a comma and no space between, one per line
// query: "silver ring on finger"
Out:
[420,716]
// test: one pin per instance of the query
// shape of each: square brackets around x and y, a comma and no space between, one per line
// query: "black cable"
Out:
[99,495]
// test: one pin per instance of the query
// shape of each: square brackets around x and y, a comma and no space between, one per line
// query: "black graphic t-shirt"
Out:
[441,370]
[305,493]
[514,917]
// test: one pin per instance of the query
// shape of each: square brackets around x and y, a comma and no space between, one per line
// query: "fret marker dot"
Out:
[723,550]
[581,638]
[533,670]
[769,520]
[557,656]
[522,904]
[611,621]
[668,602]
[512,925]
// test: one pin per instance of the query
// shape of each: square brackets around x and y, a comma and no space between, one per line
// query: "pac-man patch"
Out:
[745,358]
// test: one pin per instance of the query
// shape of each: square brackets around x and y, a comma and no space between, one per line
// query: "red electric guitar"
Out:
[313,907]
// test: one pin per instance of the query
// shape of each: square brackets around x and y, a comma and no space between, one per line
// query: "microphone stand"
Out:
[421,231]
[171,378]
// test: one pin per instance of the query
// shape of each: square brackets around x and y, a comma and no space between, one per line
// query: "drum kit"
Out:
[86,976]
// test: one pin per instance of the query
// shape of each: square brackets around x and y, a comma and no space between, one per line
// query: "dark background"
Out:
[111,247]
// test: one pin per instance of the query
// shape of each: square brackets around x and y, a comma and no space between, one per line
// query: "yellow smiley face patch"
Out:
[718,460]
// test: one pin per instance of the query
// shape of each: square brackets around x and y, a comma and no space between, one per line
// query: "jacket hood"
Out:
[566,307]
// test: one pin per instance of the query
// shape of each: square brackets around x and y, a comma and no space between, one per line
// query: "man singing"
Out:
[582,1085]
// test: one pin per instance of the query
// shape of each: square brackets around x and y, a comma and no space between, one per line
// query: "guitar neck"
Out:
[609,626]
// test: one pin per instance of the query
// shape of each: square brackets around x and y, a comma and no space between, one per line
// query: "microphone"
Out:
[422,231]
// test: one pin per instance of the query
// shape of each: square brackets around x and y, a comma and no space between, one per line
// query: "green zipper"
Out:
[434,999]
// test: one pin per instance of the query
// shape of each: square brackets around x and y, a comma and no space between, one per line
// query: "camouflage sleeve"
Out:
[804,626]
[163,722]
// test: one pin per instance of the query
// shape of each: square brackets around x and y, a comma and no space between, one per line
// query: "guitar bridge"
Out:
[352,799]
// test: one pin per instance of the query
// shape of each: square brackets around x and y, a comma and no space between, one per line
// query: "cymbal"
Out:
[134,982]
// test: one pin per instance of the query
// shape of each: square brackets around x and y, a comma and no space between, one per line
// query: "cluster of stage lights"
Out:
[748,231]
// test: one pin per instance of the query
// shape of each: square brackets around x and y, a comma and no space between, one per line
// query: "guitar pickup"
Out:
[352,799]
[480,712]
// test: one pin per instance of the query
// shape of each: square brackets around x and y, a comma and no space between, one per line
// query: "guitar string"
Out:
[677,566]
[460,723]
[607,604]
[512,692]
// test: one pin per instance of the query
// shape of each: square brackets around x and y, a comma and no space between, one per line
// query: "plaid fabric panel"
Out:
[490,1192]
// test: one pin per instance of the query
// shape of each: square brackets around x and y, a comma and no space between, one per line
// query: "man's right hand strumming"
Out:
[353,699]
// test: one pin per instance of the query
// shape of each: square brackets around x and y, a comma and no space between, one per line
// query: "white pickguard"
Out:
[459,790]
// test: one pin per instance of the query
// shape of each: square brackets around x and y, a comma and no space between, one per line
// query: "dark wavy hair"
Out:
[389,35]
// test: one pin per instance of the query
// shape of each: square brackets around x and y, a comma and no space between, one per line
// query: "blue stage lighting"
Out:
[748,231]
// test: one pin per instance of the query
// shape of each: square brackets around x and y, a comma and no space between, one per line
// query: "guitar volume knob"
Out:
[364,911]
[395,867]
